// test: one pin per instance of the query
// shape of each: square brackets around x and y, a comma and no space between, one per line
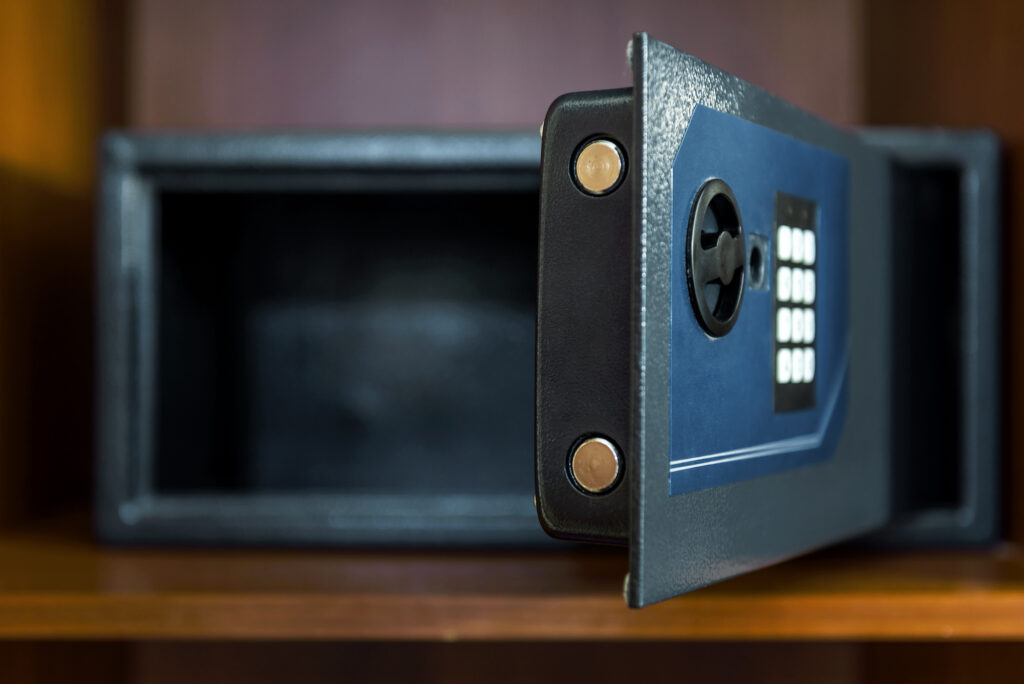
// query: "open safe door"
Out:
[716,302]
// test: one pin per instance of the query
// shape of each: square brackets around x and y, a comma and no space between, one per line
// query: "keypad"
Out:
[795,294]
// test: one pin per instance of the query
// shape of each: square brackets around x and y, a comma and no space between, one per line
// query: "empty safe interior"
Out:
[345,342]
[928,333]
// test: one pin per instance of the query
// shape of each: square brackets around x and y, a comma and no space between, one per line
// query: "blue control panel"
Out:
[770,394]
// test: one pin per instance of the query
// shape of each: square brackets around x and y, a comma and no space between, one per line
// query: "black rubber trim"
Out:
[583,315]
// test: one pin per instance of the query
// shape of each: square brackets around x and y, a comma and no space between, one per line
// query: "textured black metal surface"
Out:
[583,332]
[317,339]
[680,543]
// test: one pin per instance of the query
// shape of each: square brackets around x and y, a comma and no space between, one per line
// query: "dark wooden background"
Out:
[259,63]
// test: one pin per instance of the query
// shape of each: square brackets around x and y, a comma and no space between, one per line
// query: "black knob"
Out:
[715,258]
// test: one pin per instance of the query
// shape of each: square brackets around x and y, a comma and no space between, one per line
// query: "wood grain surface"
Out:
[231,64]
[55,583]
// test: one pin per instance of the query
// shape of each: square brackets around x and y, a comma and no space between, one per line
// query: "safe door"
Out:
[718,380]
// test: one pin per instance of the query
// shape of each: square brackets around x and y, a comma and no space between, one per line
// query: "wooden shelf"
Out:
[55,583]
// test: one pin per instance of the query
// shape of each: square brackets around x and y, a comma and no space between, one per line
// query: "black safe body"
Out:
[329,339]
[311,339]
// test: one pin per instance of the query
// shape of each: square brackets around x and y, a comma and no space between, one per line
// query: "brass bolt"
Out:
[596,465]
[599,167]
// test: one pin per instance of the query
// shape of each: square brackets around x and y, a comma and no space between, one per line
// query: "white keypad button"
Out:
[808,287]
[810,247]
[784,282]
[784,366]
[798,245]
[783,325]
[798,365]
[784,243]
[798,325]
[809,364]
[797,293]
[809,325]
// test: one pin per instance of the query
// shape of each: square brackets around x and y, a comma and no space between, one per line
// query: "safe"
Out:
[688,318]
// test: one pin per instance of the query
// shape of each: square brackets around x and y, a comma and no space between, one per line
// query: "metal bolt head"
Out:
[596,465]
[599,167]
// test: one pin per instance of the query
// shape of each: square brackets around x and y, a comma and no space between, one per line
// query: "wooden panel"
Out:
[245,63]
[943,663]
[49,70]
[53,663]
[498,663]
[955,63]
[58,67]
[765,663]
[54,583]
[538,662]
